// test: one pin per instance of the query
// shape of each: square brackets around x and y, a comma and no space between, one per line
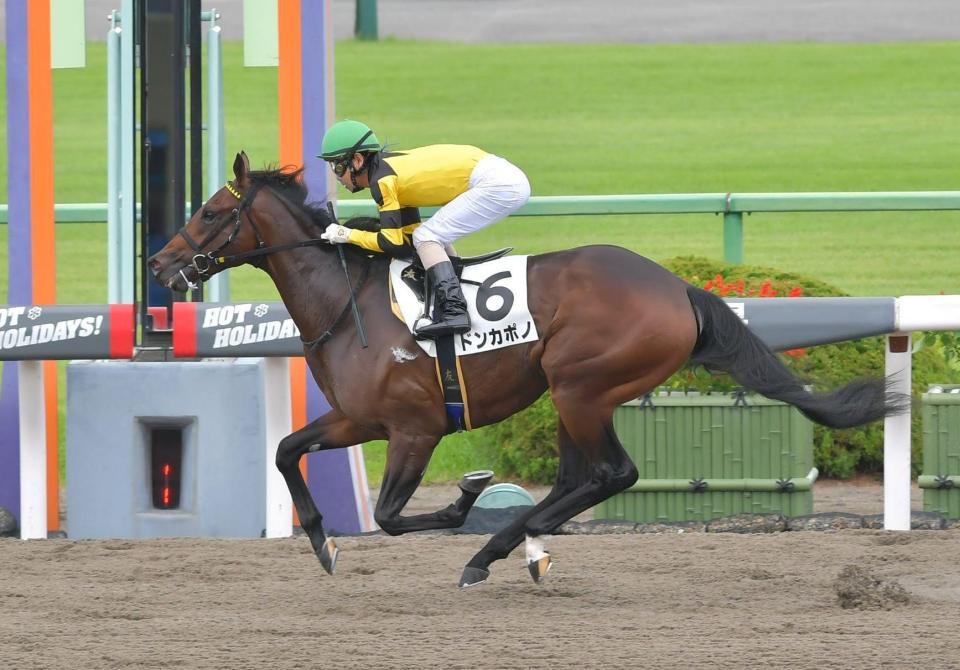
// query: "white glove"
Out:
[336,234]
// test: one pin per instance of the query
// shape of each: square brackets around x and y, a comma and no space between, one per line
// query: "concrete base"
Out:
[229,427]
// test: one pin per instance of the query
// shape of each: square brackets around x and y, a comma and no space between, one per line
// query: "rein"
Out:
[263,251]
[320,341]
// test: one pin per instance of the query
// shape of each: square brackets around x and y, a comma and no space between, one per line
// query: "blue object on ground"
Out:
[504,495]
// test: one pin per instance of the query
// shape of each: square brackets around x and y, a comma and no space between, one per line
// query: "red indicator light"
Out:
[166,460]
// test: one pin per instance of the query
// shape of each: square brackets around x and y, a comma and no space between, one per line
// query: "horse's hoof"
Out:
[476,481]
[328,555]
[539,569]
[473,577]
[538,560]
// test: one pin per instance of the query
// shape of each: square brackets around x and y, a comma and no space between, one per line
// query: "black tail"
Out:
[725,344]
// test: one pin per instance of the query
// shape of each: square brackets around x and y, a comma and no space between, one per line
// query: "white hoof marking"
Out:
[534,549]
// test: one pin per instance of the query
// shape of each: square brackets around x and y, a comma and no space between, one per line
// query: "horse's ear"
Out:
[241,167]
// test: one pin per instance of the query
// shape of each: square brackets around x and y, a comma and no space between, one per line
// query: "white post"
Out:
[129,141]
[33,451]
[114,141]
[361,489]
[278,425]
[896,438]
[218,287]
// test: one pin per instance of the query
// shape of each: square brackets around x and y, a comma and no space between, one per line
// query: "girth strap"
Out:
[454,392]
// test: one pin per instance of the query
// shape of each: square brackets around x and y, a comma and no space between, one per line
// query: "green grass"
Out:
[589,119]
[603,119]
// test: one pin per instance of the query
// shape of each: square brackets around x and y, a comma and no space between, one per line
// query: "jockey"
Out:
[475,189]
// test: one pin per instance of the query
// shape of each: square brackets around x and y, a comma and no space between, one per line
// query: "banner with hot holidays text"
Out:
[203,329]
[65,332]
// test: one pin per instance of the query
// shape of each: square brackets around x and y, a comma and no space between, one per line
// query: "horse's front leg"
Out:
[330,431]
[407,458]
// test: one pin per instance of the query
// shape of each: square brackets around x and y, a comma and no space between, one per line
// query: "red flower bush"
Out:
[766,289]
[740,288]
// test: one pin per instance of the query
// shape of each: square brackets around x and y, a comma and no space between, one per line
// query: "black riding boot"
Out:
[449,307]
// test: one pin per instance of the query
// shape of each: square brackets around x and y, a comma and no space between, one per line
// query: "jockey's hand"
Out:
[336,234]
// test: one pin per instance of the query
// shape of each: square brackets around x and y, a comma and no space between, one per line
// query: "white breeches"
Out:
[497,188]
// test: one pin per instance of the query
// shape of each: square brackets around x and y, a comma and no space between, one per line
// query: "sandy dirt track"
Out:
[643,601]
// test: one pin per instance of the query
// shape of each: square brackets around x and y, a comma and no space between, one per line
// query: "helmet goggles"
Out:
[340,166]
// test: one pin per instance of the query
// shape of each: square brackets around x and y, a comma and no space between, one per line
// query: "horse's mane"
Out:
[288,182]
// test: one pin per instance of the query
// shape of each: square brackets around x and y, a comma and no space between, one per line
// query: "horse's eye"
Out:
[209,215]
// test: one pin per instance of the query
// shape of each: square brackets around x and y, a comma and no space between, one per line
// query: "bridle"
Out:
[203,262]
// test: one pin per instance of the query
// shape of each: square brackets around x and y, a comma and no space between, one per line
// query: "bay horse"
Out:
[613,325]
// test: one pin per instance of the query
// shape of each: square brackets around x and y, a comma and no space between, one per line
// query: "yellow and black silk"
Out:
[403,181]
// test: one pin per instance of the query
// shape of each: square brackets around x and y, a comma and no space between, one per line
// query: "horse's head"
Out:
[224,225]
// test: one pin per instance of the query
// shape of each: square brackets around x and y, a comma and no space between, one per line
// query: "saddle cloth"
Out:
[496,294]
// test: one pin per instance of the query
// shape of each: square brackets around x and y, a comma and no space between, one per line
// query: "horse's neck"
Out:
[307,285]
[310,280]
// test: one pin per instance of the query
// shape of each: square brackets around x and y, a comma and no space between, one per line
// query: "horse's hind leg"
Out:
[330,431]
[593,467]
[608,478]
[607,471]
[407,459]
[570,476]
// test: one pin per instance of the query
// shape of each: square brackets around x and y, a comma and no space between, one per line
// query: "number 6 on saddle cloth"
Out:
[495,292]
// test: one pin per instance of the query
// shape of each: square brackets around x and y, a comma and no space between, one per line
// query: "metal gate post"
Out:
[896,438]
[733,237]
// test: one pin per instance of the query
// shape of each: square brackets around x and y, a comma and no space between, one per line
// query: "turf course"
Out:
[604,119]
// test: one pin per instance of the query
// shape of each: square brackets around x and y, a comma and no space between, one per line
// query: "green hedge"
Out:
[528,439]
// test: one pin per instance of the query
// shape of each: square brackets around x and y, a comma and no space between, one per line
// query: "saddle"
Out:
[414,275]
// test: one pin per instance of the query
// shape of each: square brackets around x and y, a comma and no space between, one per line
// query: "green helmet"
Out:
[347,138]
